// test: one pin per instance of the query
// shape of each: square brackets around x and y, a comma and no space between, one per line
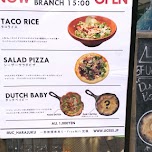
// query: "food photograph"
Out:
[70,104]
[92,68]
[144,128]
[92,30]
[106,104]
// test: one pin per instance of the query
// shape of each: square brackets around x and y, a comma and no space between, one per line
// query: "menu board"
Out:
[143,89]
[64,67]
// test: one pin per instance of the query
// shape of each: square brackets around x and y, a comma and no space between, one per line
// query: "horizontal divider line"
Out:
[93,127]
[51,50]
[57,85]
[60,119]
[56,11]
[142,77]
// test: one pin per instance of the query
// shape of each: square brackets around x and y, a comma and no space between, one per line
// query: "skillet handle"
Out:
[54,95]
[90,93]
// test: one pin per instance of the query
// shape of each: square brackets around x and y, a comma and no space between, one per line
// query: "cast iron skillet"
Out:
[62,104]
[107,103]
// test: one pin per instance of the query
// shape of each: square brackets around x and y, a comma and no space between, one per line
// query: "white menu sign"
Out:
[64,67]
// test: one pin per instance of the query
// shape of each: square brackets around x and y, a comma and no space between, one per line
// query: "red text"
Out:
[13,1]
[112,1]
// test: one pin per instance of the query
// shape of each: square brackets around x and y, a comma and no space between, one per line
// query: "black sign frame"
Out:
[143,108]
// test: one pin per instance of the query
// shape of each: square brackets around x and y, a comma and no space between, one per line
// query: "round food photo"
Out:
[92,68]
[144,128]
[106,104]
[92,30]
[70,104]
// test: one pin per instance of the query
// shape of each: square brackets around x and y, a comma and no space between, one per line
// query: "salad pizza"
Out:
[91,68]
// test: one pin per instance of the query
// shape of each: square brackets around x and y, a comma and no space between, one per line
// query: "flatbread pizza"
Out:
[71,104]
[92,68]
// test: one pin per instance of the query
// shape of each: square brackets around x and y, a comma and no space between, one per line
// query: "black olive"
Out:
[82,72]
[99,67]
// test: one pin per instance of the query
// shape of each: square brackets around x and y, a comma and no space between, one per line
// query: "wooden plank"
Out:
[2,146]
